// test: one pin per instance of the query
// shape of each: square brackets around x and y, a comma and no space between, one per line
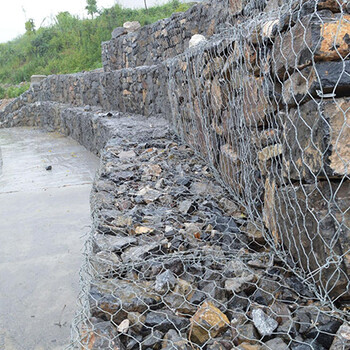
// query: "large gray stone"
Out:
[316,140]
[313,224]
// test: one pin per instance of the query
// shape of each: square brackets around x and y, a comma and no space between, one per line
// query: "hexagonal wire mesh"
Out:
[240,241]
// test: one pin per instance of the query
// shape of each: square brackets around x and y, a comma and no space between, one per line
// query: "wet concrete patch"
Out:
[44,215]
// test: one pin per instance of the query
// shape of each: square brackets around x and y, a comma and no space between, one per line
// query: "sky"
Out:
[15,13]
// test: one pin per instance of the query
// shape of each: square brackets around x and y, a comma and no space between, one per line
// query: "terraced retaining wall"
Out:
[242,92]
[265,102]
[167,38]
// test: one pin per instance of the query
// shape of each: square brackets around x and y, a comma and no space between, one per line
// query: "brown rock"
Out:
[254,232]
[324,39]
[326,152]
[137,321]
[153,170]
[126,93]
[105,262]
[216,96]
[245,334]
[208,322]
[333,5]
[255,100]
[269,152]
[236,7]
[139,230]
[122,221]
[269,160]
[247,346]
[229,165]
[269,216]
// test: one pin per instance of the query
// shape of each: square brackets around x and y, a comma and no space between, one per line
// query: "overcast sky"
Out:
[14,14]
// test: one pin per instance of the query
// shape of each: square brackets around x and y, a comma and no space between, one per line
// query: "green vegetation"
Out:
[70,44]
[13,91]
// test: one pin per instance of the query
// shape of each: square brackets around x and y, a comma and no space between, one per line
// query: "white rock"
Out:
[263,323]
[36,79]
[196,40]
[132,26]
[267,28]
[124,326]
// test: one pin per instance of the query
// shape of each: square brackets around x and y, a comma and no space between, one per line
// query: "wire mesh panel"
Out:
[267,105]
[239,240]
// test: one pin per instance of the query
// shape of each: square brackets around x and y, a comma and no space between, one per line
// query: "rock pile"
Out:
[176,265]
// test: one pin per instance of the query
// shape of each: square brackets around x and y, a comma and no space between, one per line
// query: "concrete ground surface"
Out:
[44,216]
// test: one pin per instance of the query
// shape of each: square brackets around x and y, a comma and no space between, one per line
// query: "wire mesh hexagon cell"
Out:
[235,235]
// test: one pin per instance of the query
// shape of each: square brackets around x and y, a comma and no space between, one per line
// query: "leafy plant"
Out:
[71,44]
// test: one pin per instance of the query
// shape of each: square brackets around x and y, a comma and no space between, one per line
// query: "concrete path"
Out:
[43,218]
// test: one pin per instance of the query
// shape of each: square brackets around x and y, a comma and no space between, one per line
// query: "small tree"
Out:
[145,5]
[30,26]
[91,7]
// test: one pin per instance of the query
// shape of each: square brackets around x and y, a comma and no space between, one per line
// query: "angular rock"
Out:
[114,299]
[324,39]
[326,152]
[229,164]
[102,335]
[165,282]
[342,338]
[269,152]
[274,344]
[245,333]
[324,334]
[137,321]
[263,323]
[122,221]
[248,346]
[254,232]
[105,262]
[175,340]
[126,155]
[132,26]
[187,207]
[139,230]
[269,216]
[208,322]
[153,341]
[113,243]
[320,79]
[153,170]
[139,252]
[314,227]
[164,320]
[117,32]
[255,100]
[241,284]
[148,194]
[178,302]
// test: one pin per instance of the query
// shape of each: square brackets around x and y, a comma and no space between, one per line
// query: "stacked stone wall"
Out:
[268,106]
[266,102]
[170,37]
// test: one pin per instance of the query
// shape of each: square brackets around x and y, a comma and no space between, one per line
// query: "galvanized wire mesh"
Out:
[240,241]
